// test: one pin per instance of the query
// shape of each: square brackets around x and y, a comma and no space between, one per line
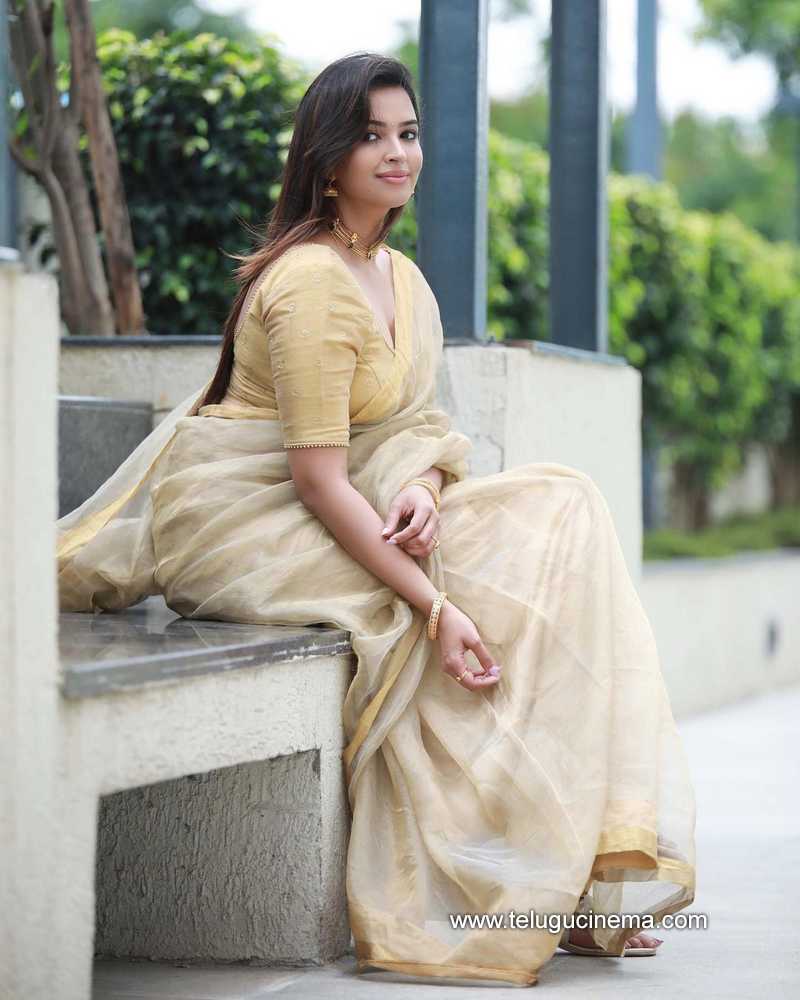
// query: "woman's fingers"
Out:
[491,669]
[419,531]
[411,530]
[422,544]
[459,635]
[483,654]
[474,682]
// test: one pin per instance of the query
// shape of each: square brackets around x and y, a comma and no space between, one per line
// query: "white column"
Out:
[34,950]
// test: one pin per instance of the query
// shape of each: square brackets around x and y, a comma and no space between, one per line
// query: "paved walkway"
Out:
[744,762]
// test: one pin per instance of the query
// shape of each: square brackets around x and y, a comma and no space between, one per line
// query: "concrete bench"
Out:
[206,808]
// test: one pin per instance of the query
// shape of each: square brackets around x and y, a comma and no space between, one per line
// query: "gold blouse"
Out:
[309,351]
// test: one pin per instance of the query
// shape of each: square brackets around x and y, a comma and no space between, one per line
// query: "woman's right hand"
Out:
[456,634]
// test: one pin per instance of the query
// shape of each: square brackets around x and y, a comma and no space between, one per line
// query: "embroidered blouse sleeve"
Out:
[315,329]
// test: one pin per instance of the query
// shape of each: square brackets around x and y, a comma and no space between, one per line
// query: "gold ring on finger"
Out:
[464,671]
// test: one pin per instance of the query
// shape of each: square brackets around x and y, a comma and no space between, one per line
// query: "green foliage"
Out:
[771,27]
[518,279]
[725,166]
[656,322]
[744,532]
[201,125]
[710,313]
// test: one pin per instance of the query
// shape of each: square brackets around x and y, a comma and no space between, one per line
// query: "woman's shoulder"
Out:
[297,259]
[301,265]
[309,272]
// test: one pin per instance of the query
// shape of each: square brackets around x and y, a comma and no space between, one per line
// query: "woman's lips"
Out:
[394,180]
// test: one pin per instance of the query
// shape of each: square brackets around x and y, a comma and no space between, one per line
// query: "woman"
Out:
[314,481]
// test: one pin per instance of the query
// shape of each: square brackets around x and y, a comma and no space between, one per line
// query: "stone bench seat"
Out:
[150,644]
[210,817]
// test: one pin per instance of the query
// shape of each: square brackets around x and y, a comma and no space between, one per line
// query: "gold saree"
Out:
[569,774]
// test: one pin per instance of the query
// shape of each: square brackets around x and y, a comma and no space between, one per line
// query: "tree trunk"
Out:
[52,130]
[67,168]
[115,221]
[784,463]
[690,500]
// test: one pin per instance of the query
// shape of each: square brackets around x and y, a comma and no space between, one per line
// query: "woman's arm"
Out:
[320,477]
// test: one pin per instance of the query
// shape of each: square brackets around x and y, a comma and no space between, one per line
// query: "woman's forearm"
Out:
[357,526]
[435,475]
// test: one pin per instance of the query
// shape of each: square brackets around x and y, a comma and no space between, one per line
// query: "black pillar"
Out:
[578,171]
[8,171]
[452,189]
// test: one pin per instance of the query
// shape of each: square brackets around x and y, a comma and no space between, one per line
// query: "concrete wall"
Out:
[726,628]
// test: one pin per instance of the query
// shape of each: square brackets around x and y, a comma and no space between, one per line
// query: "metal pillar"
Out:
[645,157]
[644,141]
[452,190]
[8,168]
[579,151]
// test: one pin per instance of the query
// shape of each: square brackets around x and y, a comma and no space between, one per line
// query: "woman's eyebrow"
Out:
[374,121]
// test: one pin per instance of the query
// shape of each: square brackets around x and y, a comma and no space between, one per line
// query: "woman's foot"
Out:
[583,937]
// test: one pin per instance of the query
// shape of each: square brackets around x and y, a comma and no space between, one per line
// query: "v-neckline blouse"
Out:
[380,374]
[399,346]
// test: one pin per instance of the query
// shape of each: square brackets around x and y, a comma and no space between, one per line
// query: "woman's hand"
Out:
[413,505]
[456,634]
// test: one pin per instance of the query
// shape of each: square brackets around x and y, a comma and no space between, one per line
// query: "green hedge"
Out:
[745,532]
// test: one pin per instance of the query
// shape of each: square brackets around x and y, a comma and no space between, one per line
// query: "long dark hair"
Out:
[332,116]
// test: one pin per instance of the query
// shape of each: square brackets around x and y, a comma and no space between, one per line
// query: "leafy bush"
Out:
[715,330]
[201,124]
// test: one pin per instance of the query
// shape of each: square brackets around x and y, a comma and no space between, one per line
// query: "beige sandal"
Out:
[596,951]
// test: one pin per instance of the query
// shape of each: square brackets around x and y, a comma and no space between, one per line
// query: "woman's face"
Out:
[392,147]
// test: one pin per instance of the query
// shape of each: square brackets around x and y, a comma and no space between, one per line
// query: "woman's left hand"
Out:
[415,505]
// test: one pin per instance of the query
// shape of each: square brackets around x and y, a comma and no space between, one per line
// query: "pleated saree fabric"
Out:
[568,775]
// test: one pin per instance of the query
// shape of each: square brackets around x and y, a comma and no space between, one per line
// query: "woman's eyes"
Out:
[410,132]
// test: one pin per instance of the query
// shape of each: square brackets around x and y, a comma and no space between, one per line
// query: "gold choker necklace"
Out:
[350,239]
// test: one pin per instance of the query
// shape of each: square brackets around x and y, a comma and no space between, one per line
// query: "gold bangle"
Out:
[436,607]
[429,486]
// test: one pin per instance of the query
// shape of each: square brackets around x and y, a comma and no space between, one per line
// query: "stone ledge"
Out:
[546,347]
[154,645]
[211,339]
